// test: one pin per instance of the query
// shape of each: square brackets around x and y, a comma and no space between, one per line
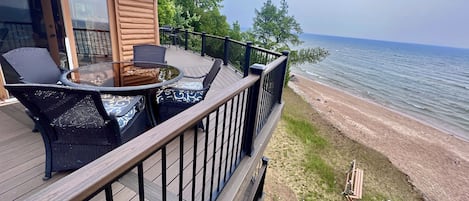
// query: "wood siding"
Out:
[136,23]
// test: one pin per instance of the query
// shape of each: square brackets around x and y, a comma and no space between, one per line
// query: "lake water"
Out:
[428,83]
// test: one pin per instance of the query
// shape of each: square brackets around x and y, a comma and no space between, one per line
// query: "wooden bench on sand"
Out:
[354,183]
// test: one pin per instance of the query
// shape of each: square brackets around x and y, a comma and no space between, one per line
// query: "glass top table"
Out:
[125,78]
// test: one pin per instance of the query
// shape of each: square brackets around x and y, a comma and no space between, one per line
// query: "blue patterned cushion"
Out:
[180,95]
[123,107]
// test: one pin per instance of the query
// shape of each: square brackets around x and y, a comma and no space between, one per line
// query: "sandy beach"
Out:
[436,162]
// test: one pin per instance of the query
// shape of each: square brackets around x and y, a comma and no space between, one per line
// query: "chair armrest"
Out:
[194,77]
[185,89]
[63,70]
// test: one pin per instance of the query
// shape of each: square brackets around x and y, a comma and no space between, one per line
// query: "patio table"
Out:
[125,78]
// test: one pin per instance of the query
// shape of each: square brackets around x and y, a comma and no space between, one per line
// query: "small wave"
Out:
[315,75]
[418,106]
[413,105]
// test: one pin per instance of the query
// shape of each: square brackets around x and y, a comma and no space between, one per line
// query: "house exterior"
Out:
[223,162]
[78,32]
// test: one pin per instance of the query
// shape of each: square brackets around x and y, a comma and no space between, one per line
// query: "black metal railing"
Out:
[238,54]
[175,160]
[178,161]
[272,88]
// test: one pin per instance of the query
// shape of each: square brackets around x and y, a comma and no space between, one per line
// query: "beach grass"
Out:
[313,143]
[310,157]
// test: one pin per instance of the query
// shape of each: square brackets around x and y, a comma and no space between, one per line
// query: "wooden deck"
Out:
[22,151]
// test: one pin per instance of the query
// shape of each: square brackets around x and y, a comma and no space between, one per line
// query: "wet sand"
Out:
[436,162]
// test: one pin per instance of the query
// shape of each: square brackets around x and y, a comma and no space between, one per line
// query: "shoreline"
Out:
[434,160]
[454,132]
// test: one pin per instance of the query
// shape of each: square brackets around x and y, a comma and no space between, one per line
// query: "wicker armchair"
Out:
[175,99]
[30,65]
[76,126]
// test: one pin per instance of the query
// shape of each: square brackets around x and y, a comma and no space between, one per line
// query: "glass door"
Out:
[31,23]
[90,23]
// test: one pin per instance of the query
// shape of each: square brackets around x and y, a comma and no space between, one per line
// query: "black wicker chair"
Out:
[75,125]
[148,53]
[175,99]
[30,65]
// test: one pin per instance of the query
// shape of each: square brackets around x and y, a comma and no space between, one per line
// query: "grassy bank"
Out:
[309,158]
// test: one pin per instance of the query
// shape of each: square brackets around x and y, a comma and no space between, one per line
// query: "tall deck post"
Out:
[186,37]
[226,49]
[202,53]
[247,58]
[252,111]
[284,73]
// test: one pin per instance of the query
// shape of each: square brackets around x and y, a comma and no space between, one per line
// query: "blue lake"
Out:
[428,83]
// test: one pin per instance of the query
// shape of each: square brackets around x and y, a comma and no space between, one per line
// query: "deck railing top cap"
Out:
[258,66]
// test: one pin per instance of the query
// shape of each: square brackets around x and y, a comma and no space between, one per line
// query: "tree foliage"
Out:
[275,29]
[172,14]
[208,13]
[214,23]
[166,12]
[235,32]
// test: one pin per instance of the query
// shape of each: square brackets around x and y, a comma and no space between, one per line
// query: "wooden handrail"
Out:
[88,179]
[274,64]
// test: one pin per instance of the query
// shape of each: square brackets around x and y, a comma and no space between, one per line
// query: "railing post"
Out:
[186,37]
[174,35]
[226,52]
[284,73]
[247,58]
[252,110]
[203,44]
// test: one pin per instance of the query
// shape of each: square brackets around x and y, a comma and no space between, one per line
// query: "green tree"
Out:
[275,29]
[235,32]
[214,23]
[169,13]
[166,12]
[208,12]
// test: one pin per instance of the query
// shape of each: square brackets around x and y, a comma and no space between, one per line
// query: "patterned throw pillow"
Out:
[180,95]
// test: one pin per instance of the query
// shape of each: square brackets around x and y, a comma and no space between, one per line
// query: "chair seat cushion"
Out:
[180,95]
[123,107]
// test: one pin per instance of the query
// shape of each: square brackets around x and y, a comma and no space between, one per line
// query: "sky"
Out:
[433,22]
